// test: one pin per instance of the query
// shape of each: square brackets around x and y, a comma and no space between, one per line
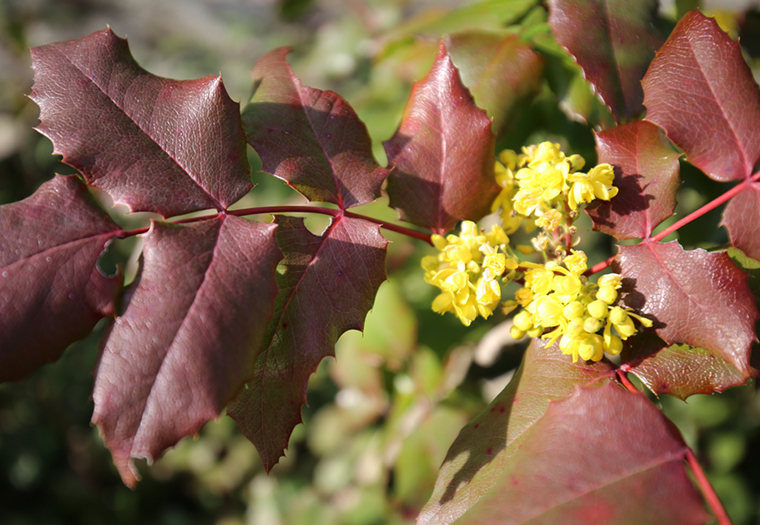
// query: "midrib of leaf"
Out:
[172,347]
[444,145]
[613,52]
[64,245]
[160,146]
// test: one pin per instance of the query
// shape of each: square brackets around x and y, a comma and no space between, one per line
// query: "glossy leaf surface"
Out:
[565,471]
[193,323]
[700,90]
[494,439]
[679,370]
[502,73]
[695,297]
[51,291]
[327,286]
[442,154]
[613,41]
[151,143]
[310,138]
[742,220]
[646,174]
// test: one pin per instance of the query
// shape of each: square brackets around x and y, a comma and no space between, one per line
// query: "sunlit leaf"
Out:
[613,41]
[51,291]
[327,286]
[310,138]
[152,143]
[193,323]
[694,297]
[700,90]
[442,154]
[646,174]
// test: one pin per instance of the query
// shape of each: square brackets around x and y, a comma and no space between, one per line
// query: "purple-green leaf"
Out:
[695,297]
[678,370]
[327,286]
[502,73]
[310,138]
[613,42]
[193,323]
[742,220]
[442,153]
[51,291]
[646,174]
[495,438]
[151,143]
[700,90]
[602,455]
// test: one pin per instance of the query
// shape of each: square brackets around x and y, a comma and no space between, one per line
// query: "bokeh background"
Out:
[381,417]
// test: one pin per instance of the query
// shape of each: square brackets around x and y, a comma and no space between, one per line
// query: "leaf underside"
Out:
[51,291]
[193,323]
[442,153]
[151,143]
[312,139]
[646,174]
[327,287]
[742,220]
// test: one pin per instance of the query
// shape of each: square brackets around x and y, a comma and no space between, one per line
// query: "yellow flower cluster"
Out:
[468,269]
[560,298]
[558,301]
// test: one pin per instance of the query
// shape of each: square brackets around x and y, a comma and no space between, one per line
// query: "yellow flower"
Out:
[596,184]
[576,262]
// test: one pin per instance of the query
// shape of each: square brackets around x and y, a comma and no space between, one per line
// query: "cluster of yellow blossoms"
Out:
[541,187]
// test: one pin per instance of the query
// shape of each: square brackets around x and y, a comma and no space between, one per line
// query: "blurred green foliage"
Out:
[382,416]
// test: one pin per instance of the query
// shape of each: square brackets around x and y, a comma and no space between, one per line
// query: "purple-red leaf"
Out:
[613,42]
[493,439]
[678,370]
[696,297]
[442,154]
[502,74]
[742,220]
[152,143]
[310,138]
[700,90]
[603,455]
[51,291]
[646,173]
[193,324]
[327,287]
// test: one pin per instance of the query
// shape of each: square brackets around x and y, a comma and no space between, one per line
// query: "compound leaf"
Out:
[442,153]
[312,139]
[678,370]
[51,291]
[695,297]
[613,42]
[646,173]
[565,473]
[193,323]
[700,90]
[327,286]
[494,439]
[151,143]
[742,220]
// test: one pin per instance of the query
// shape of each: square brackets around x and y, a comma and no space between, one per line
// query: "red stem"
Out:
[623,377]
[712,499]
[416,234]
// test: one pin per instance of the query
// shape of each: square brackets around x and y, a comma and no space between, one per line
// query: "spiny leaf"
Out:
[603,455]
[502,73]
[153,144]
[613,41]
[695,297]
[646,173]
[310,138]
[700,90]
[493,439]
[442,153]
[742,220]
[51,291]
[678,370]
[193,324]
[327,287]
